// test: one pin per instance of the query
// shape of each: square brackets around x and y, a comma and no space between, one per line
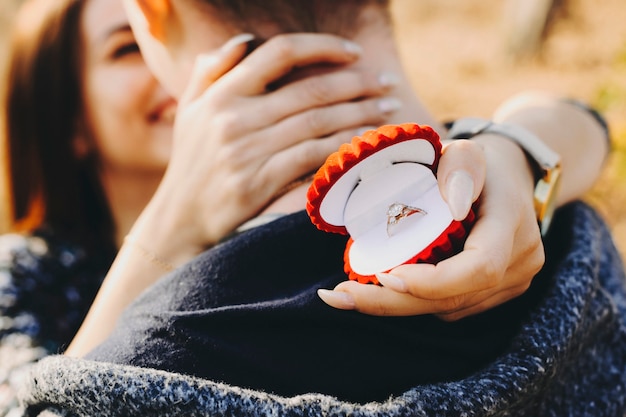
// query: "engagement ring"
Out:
[399,211]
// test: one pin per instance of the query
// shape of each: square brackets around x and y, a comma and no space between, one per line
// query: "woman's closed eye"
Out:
[119,42]
[125,49]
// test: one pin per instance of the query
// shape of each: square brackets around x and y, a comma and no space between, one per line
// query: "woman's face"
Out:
[129,115]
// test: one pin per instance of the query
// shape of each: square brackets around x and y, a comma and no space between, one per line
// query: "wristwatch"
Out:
[545,161]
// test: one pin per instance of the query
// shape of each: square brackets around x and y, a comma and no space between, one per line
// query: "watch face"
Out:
[545,198]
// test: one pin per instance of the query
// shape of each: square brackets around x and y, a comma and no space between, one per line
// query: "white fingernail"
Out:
[388,79]
[337,299]
[206,60]
[392,282]
[237,40]
[389,105]
[353,48]
[460,191]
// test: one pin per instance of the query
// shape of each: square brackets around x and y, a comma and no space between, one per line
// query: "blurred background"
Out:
[467,56]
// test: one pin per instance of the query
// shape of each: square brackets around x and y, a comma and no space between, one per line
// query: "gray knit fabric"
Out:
[569,359]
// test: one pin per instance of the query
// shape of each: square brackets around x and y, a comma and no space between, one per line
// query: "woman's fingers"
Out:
[292,140]
[385,301]
[310,100]
[461,175]
[324,122]
[375,300]
[298,160]
[500,258]
[487,302]
[209,67]
[301,143]
[480,266]
[502,250]
[281,54]
[323,89]
[382,301]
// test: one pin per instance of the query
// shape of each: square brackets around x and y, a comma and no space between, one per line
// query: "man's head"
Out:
[287,16]
[173,32]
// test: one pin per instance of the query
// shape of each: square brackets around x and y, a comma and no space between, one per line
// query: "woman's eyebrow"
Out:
[124,27]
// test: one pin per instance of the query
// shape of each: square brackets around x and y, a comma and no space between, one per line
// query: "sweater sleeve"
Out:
[46,288]
[20,344]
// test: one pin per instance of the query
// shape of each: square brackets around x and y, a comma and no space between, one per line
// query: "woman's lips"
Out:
[166,112]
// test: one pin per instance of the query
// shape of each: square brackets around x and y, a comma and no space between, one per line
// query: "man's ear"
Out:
[156,13]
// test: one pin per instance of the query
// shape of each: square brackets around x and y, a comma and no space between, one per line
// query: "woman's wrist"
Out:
[163,233]
[509,158]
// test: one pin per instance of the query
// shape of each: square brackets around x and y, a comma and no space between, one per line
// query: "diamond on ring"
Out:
[398,211]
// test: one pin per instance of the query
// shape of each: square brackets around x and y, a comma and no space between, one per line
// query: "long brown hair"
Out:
[48,184]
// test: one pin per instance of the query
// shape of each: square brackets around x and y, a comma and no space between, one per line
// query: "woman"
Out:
[88,135]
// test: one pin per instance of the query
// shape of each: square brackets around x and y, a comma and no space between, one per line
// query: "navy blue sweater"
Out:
[246,313]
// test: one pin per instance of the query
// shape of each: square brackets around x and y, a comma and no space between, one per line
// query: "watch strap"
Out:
[542,154]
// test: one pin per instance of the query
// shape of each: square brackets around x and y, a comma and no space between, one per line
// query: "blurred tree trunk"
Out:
[524,26]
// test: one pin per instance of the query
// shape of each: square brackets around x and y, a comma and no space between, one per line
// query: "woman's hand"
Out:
[237,143]
[502,253]
[504,250]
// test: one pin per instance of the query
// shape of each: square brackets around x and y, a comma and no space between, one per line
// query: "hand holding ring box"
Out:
[382,190]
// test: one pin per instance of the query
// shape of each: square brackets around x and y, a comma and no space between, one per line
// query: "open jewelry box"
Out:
[381,189]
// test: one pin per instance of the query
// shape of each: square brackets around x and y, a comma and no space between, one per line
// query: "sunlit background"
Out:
[469,55]
[466,56]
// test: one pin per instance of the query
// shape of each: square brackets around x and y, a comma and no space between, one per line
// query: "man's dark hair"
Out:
[340,17]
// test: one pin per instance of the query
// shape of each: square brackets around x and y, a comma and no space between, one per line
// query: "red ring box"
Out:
[353,192]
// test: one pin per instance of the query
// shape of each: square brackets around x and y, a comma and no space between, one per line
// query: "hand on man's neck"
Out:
[379,56]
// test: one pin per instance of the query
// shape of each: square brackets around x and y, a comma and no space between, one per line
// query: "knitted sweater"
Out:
[47,285]
[567,358]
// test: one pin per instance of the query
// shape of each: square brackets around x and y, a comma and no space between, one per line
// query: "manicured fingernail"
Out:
[206,60]
[353,48]
[337,299]
[388,79]
[237,40]
[392,282]
[389,105]
[459,190]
